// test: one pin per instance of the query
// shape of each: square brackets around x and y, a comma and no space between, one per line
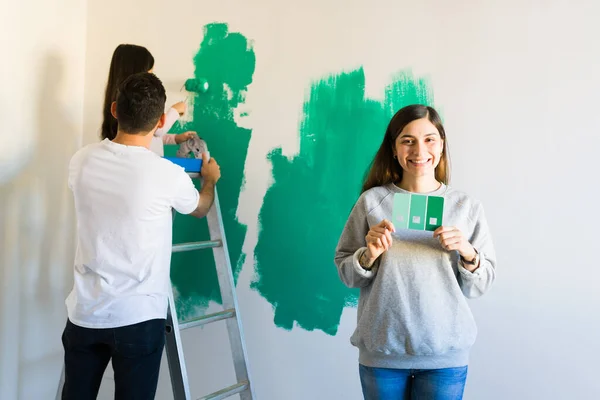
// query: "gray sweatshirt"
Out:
[412,309]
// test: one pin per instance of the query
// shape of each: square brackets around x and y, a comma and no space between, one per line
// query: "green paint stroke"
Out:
[306,208]
[227,61]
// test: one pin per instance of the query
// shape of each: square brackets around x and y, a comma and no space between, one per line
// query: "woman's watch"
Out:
[360,262]
[474,261]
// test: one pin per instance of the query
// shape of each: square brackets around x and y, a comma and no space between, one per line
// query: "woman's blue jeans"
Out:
[413,384]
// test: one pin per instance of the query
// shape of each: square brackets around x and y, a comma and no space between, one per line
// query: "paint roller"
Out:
[199,86]
[196,85]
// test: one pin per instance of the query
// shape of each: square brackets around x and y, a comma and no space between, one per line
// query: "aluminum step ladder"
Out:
[174,348]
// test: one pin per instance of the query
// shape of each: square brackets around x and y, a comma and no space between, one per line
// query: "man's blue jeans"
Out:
[413,384]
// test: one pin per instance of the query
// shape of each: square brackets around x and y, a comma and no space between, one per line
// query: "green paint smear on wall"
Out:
[306,208]
[227,61]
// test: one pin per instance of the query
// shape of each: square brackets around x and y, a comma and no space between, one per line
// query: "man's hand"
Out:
[210,171]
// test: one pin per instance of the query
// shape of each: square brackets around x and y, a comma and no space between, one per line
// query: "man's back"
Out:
[124,195]
[123,201]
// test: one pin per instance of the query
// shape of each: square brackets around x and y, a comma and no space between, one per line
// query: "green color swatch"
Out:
[418,211]
[340,132]
[435,213]
[226,62]
[401,210]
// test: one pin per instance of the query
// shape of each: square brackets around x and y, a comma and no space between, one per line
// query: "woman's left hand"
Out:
[184,136]
[451,238]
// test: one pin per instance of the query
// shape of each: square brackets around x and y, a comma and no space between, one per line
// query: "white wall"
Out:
[41,103]
[517,86]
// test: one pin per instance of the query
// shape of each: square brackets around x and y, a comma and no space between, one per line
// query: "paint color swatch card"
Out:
[417,212]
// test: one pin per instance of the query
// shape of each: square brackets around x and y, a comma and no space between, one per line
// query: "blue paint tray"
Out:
[188,164]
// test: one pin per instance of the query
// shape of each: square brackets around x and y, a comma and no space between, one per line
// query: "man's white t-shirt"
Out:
[124,196]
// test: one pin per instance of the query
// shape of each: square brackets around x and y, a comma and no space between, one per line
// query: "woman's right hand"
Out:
[379,240]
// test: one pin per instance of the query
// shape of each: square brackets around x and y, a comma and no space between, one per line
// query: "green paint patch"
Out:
[306,208]
[226,61]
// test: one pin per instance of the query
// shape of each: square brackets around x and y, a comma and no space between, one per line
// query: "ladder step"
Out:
[208,244]
[207,319]
[227,392]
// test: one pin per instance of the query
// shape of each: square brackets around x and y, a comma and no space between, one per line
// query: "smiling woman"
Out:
[414,129]
[415,328]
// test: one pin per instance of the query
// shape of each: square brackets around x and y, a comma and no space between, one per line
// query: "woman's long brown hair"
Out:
[127,59]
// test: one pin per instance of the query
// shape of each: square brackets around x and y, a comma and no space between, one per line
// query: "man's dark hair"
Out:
[140,103]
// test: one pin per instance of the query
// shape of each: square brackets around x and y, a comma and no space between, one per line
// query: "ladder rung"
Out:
[207,319]
[227,392]
[208,244]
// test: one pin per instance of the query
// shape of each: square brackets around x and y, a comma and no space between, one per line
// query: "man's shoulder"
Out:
[84,151]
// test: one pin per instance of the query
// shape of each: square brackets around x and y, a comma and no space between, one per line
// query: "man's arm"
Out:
[210,173]
[207,197]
